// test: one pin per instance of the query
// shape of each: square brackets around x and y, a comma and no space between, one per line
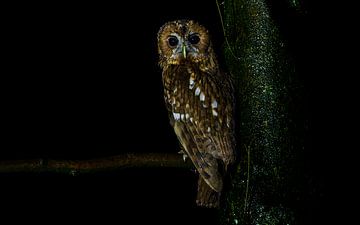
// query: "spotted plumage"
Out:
[199,98]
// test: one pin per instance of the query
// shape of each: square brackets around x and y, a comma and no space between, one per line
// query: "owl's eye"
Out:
[194,39]
[173,41]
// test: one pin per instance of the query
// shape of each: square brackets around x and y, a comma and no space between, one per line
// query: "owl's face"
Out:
[181,41]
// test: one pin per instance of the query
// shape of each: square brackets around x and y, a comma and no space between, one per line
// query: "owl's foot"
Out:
[185,156]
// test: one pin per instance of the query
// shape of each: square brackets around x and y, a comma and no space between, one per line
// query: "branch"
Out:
[74,167]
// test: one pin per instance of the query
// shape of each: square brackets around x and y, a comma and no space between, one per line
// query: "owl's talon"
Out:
[185,156]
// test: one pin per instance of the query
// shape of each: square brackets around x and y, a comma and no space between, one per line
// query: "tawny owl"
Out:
[199,98]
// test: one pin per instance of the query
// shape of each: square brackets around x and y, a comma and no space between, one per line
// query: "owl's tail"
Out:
[206,196]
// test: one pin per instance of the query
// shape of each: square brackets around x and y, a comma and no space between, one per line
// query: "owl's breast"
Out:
[193,96]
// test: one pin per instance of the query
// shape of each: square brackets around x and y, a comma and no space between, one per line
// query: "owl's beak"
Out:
[184,51]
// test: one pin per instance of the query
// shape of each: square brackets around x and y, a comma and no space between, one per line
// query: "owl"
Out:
[200,101]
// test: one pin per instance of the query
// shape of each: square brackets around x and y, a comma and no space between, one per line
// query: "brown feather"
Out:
[200,102]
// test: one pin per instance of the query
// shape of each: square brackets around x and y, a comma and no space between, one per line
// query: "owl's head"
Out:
[183,41]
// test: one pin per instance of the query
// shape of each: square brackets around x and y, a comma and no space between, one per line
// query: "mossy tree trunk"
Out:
[265,184]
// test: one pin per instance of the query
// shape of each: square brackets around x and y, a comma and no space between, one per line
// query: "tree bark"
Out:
[265,183]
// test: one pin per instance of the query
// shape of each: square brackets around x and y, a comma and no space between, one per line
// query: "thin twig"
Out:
[247,178]
[74,167]
[223,27]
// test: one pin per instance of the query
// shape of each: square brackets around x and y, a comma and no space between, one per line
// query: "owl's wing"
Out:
[195,145]
[201,114]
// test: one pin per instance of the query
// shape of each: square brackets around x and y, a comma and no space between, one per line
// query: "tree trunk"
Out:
[265,182]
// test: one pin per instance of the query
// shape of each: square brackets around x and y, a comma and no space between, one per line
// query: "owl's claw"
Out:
[185,156]
[181,152]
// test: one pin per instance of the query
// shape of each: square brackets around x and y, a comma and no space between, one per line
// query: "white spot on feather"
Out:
[175,90]
[176,116]
[187,115]
[209,129]
[197,91]
[214,112]
[214,104]
[191,119]
[182,117]
[202,97]
[191,83]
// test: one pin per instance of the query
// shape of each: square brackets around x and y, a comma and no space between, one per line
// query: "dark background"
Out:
[82,81]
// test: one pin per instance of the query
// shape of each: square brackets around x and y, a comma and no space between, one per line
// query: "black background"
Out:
[82,81]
